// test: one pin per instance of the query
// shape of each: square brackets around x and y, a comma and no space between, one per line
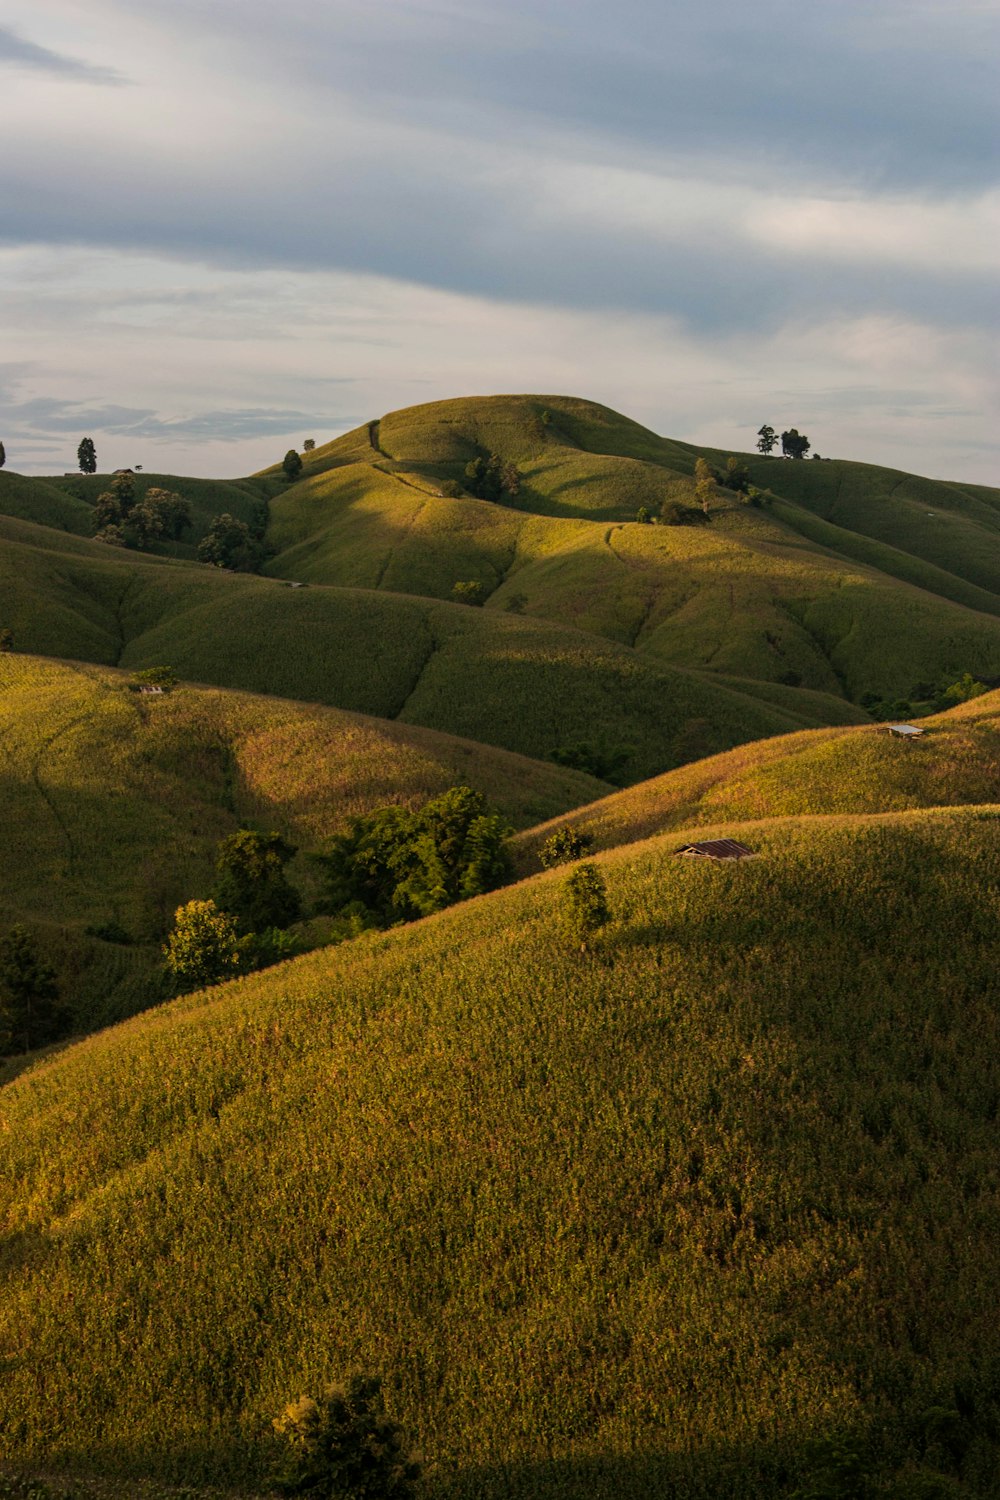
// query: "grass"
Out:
[114,804]
[423,661]
[825,771]
[775,595]
[617,1224]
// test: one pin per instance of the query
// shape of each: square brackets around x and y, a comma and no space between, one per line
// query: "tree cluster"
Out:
[233,544]
[242,927]
[793,443]
[491,478]
[394,865]
[122,518]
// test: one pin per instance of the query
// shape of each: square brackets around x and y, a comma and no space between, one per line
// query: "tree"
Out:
[705,480]
[3,455]
[564,846]
[251,885]
[292,465]
[164,677]
[29,996]
[794,444]
[172,511]
[86,456]
[491,478]
[767,439]
[585,908]
[737,476]
[399,865]
[309,445]
[343,1446]
[203,946]
[228,545]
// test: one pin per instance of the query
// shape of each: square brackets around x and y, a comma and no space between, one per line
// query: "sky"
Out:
[228,226]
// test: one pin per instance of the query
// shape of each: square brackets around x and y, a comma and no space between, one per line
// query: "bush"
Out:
[564,845]
[344,1447]
[203,946]
[292,465]
[470,592]
[585,908]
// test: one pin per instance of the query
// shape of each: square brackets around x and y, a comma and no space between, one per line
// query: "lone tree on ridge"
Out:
[86,456]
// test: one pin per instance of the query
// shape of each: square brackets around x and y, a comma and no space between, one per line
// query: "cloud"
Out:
[52,415]
[19,53]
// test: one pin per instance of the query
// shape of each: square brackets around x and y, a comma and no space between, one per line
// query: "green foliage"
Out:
[291,465]
[794,444]
[228,544]
[566,844]
[203,946]
[737,476]
[30,1014]
[251,883]
[675,513]
[399,865]
[516,603]
[492,478]
[86,456]
[585,908]
[642,516]
[6,639]
[767,439]
[344,1446]
[595,760]
[309,445]
[705,481]
[164,677]
[3,455]
[471,592]
[962,691]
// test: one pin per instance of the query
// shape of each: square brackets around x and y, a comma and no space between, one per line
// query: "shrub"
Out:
[203,946]
[470,592]
[344,1447]
[585,908]
[564,845]
[6,639]
[291,464]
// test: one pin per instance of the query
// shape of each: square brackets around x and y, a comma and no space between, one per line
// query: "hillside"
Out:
[393,656]
[114,804]
[612,1225]
[824,597]
[824,771]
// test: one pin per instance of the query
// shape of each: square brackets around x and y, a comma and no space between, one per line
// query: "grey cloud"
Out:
[20,53]
[49,414]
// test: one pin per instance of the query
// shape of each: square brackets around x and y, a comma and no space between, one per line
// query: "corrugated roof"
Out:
[717,849]
[903,729]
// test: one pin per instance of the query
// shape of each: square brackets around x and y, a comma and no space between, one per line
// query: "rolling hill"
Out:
[114,805]
[653,1219]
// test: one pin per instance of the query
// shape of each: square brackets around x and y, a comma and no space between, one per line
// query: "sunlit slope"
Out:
[113,804]
[528,685]
[619,1225]
[744,594]
[955,527]
[859,770]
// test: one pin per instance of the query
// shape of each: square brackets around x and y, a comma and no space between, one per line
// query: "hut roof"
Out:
[904,729]
[717,849]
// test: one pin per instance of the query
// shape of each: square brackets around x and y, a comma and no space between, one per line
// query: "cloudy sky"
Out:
[229,225]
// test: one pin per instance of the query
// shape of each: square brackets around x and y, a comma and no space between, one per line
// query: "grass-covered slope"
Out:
[113,804]
[859,770]
[779,594]
[528,685]
[639,1222]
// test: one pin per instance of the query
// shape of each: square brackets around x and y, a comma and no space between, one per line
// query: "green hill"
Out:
[638,1222]
[114,804]
[864,607]
[823,771]
[399,657]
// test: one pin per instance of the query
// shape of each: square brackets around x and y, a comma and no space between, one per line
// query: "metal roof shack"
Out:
[905,731]
[717,849]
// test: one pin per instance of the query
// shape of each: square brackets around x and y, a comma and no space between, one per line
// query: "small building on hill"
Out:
[905,731]
[717,849]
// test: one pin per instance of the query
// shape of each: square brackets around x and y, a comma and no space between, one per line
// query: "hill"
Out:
[616,1224]
[405,658]
[860,770]
[114,805]
[867,606]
